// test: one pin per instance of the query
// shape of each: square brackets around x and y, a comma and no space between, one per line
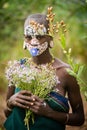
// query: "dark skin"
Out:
[68,85]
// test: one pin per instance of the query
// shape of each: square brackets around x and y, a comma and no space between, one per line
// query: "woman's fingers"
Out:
[25,92]
[20,105]
[24,97]
[39,108]
[24,102]
[37,98]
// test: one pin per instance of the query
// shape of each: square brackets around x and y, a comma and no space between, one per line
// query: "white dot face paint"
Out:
[32,31]
[36,49]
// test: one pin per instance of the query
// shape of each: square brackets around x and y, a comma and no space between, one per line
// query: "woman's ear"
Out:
[24,45]
[51,44]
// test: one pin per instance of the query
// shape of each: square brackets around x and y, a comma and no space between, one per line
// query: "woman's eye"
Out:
[28,37]
[39,37]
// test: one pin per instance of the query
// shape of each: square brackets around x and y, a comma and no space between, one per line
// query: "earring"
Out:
[51,44]
[24,45]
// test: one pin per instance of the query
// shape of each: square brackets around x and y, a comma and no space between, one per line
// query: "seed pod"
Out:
[64,25]
[61,22]
[57,31]
[65,30]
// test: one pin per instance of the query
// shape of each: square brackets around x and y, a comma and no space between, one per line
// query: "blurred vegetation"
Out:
[12,17]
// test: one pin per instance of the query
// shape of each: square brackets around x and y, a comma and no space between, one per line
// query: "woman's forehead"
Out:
[29,30]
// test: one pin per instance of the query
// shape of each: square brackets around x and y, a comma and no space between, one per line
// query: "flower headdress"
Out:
[35,28]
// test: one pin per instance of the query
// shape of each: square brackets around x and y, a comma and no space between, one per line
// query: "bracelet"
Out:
[67,118]
[8,103]
[8,107]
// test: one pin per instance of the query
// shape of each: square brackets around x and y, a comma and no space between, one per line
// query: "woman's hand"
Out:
[40,107]
[23,99]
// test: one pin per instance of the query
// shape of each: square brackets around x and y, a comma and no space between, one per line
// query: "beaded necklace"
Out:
[40,66]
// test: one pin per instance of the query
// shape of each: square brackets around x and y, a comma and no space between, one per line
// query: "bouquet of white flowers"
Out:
[39,80]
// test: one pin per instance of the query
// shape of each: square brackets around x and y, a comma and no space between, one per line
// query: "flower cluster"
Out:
[40,79]
[55,28]
[27,72]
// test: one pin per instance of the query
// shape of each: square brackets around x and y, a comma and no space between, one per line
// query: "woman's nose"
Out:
[34,41]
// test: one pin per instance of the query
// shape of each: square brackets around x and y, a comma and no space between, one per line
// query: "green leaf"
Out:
[82,76]
[63,41]
[71,72]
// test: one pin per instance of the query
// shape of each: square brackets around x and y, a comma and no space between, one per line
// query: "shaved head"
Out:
[38,18]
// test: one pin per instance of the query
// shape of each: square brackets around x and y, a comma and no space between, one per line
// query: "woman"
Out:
[53,113]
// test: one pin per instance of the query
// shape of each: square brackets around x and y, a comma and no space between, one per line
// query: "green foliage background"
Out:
[13,14]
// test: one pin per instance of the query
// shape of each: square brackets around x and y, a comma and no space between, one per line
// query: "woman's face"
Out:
[36,40]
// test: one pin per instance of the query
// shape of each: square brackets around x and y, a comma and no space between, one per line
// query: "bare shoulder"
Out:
[60,64]
[68,81]
[62,74]
[61,69]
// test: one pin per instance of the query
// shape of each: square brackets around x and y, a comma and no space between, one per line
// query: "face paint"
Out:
[36,49]
[32,31]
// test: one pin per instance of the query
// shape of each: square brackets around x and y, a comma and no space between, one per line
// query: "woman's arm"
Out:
[75,99]
[76,116]
[10,92]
